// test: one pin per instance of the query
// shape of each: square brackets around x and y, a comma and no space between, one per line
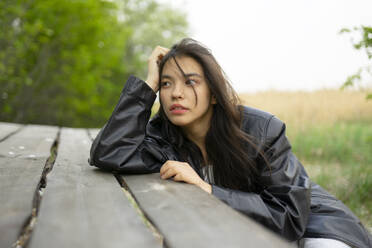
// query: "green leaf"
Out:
[344,30]
[351,80]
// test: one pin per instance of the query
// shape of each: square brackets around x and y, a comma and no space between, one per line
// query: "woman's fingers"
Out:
[168,173]
[172,172]
[165,167]
[165,170]
[183,172]
[169,169]
[159,53]
[178,177]
[159,50]
[153,67]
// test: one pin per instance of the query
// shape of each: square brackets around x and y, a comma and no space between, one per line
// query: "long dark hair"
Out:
[228,147]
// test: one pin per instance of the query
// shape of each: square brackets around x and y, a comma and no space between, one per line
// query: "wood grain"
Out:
[22,159]
[85,207]
[189,217]
[8,128]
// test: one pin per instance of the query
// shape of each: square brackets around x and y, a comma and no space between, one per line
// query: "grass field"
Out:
[331,133]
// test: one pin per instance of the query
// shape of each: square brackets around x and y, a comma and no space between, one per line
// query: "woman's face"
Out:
[178,97]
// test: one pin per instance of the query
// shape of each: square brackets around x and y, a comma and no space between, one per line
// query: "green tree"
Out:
[64,62]
[365,43]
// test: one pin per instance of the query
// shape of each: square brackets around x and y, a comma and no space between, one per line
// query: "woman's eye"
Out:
[190,82]
[164,84]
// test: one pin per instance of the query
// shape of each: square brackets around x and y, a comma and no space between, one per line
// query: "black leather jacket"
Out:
[289,204]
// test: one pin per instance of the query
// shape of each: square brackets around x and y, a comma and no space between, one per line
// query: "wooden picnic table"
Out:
[51,197]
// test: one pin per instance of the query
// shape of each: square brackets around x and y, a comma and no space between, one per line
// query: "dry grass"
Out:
[301,109]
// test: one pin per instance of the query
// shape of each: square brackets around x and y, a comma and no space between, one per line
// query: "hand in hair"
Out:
[181,171]
[153,68]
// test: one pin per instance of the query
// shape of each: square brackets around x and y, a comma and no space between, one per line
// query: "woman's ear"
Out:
[213,100]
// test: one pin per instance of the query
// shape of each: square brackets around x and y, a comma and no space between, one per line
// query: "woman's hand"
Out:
[153,68]
[183,172]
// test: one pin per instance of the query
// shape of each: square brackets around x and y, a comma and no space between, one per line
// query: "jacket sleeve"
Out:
[122,145]
[284,203]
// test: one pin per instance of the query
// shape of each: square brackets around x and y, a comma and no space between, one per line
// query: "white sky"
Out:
[280,44]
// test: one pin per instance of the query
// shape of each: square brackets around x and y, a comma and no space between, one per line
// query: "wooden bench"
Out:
[51,197]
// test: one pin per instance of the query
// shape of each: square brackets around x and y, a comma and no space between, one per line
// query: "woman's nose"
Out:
[178,91]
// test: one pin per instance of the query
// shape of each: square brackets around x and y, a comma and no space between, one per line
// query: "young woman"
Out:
[202,136]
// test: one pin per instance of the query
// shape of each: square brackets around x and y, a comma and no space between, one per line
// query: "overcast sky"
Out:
[280,44]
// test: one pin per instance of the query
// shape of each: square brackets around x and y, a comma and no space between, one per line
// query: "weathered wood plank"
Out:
[189,217]
[22,159]
[85,207]
[8,128]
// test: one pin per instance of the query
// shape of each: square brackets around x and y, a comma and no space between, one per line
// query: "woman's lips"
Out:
[178,109]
